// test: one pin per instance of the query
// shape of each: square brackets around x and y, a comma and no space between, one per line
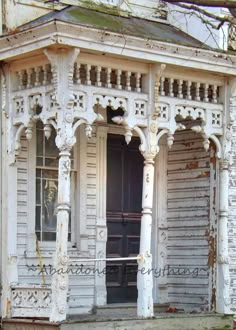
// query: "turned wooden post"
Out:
[145,276]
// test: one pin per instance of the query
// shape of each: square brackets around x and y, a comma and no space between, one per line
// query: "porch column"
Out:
[223,294]
[145,275]
[149,150]
[9,271]
[62,61]
[60,278]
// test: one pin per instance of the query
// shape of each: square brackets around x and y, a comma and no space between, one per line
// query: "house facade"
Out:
[118,163]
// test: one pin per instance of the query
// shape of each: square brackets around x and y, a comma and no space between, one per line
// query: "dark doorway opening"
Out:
[124,204]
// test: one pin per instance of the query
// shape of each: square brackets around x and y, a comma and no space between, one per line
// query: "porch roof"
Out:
[114,22]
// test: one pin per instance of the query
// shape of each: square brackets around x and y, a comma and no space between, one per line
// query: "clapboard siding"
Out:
[232,225]
[188,203]
[81,286]
[22,198]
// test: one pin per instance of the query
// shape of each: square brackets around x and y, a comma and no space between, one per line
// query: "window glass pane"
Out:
[38,236]
[47,236]
[40,138]
[39,161]
[38,217]
[38,173]
[47,186]
[51,162]
[38,191]
[50,145]
[49,219]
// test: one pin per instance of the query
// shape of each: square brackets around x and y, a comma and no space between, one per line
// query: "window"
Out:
[47,155]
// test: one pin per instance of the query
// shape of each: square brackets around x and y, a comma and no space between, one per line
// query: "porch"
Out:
[72,100]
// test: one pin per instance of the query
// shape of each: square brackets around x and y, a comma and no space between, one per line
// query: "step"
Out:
[126,309]
[164,321]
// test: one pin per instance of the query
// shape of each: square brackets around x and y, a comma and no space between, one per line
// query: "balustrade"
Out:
[33,77]
[108,77]
[189,90]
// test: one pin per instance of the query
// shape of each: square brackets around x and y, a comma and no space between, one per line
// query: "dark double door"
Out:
[124,201]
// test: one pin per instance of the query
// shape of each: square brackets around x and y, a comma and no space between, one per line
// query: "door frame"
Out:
[102,132]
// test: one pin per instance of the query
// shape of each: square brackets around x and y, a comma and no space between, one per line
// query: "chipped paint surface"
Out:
[191,242]
[232,225]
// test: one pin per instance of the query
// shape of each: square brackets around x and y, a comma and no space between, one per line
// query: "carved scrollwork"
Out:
[110,101]
[62,309]
[224,260]
[30,299]
[64,260]
[190,112]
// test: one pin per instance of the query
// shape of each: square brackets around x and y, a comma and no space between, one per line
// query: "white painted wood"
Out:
[144,280]
[223,284]
[82,210]
[90,233]
[31,180]
[101,226]
[188,221]
[160,229]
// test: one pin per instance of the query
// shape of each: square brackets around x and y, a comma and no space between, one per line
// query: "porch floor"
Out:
[119,321]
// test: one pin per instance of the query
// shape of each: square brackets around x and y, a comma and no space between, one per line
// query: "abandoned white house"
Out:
[118,165]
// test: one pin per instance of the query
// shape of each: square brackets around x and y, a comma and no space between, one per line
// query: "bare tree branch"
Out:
[221,19]
[207,3]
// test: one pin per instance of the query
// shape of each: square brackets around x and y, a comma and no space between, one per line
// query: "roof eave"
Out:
[56,32]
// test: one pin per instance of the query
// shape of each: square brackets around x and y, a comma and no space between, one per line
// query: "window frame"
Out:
[48,247]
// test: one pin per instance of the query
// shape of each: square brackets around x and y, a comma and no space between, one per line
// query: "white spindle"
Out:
[37,71]
[138,82]
[45,74]
[77,73]
[171,84]
[197,96]
[214,94]
[20,79]
[180,88]
[206,87]
[98,76]
[29,73]
[128,75]
[108,84]
[88,68]
[118,79]
[162,87]
[189,84]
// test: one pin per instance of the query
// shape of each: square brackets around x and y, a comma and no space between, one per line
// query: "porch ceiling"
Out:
[141,28]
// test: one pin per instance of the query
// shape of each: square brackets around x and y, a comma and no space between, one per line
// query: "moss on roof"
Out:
[116,22]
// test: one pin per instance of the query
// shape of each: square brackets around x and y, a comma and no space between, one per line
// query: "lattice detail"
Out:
[31,301]
[79,102]
[140,109]
[163,112]
[216,119]
[110,101]
[19,106]
[51,101]
[186,112]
